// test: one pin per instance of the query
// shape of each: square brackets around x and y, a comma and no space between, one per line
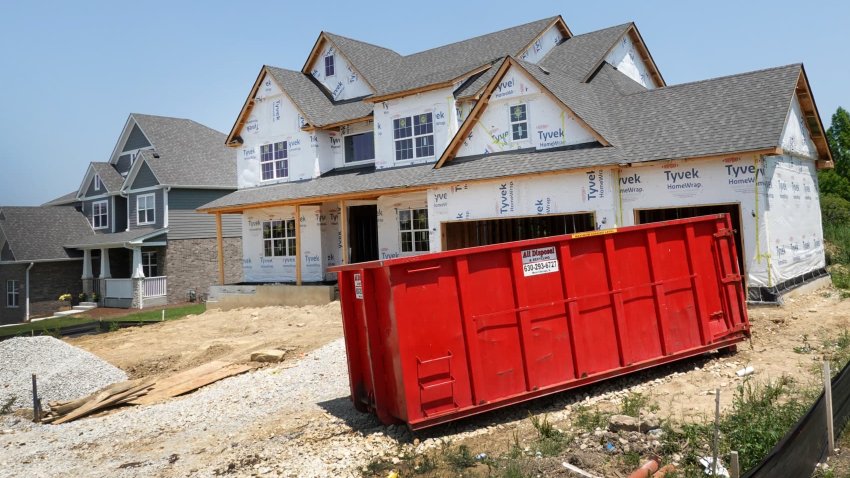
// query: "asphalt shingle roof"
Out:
[467,169]
[190,154]
[63,200]
[39,233]
[312,100]
[378,65]
[109,176]
[580,54]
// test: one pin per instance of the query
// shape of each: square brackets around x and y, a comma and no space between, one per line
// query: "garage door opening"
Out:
[643,216]
[494,231]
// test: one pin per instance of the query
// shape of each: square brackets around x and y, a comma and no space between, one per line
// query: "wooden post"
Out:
[735,467]
[297,244]
[220,244]
[714,451]
[36,404]
[827,396]
[343,228]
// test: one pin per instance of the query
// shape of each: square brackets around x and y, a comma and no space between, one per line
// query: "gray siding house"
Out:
[35,267]
[150,247]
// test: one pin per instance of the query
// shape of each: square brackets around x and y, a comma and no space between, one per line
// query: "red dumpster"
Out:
[440,336]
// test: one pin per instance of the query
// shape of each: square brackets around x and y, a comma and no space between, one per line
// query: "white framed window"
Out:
[279,238]
[100,214]
[145,209]
[359,147]
[519,122]
[97,182]
[329,65]
[414,136]
[149,265]
[413,227]
[13,294]
[273,160]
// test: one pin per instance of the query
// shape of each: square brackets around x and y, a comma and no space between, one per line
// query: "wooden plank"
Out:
[298,244]
[343,228]
[61,408]
[193,383]
[187,375]
[101,402]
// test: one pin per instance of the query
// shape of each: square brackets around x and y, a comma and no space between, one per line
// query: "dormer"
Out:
[335,71]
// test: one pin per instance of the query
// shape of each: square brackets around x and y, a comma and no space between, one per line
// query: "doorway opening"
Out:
[363,233]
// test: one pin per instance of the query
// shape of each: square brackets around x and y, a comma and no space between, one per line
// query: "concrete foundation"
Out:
[229,297]
[808,287]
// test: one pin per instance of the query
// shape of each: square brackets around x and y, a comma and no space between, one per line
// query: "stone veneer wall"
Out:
[193,264]
[48,280]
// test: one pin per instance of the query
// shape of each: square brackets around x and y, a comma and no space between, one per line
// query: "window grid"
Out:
[413,131]
[329,65]
[149,264]
[273,160]
[100,215]
[146,209]
[413,226]
[13,294]
[279,238]
[519,122]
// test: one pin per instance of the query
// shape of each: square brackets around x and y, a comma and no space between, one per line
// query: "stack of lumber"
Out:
[142,392]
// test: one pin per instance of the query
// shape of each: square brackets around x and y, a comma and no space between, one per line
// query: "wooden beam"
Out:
[220,244]
[343,229]
[298,252]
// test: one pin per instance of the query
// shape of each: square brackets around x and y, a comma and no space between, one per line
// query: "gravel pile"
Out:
[64,372]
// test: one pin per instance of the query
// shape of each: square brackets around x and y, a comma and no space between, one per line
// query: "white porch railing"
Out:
[118,288]
[155,287]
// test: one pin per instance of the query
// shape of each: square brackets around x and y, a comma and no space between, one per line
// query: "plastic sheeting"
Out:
[547,125]
[625,58]
[591,190]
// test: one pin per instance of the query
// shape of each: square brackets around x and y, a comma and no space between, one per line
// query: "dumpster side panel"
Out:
[356,347]
[434,362]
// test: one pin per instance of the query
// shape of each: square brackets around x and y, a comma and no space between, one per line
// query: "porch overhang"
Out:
[127,239]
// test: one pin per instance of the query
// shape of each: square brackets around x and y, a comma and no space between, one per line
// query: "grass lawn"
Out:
[153,315]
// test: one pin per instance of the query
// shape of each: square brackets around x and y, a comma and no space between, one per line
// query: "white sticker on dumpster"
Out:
[542,260]
[358,286]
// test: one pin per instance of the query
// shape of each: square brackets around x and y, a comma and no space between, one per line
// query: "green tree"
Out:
[838,136]
[832,183]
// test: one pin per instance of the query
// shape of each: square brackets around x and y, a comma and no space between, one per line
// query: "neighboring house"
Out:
[527,132]
[141,205]
[35,268]
[69,199]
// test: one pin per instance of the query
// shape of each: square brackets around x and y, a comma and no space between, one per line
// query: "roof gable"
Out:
[110,180]
[558,88]
[135,140]
[346,80]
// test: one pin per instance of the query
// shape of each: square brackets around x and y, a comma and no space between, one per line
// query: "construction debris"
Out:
[142,392]
[269,356]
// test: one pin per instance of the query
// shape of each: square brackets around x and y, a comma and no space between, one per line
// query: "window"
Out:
[414,137]
[519,122]
[279,238]
[12,293]
[273,160]
[100,215]
[329,65]
[149,267]
[145,209]
[413,224]
[359,147]
[97,183]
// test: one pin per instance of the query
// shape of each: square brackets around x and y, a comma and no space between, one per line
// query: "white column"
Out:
[104,264]
[138,271]
[87,264]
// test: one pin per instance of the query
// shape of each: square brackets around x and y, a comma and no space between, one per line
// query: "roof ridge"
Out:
[363,42]
[734,75]
[548,19]
[627,24]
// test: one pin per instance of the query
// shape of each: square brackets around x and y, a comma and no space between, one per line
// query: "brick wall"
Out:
[193,264]
[48,280]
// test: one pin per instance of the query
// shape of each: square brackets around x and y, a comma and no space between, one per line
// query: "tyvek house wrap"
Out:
[256,267]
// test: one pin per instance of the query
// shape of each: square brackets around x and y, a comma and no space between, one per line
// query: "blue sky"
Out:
[72,71]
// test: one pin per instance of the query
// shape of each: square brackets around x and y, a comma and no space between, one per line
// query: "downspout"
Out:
[27,287]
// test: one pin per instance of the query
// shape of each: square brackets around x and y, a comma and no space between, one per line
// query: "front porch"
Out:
[126,274]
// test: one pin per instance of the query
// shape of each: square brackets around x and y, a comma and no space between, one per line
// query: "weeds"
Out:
[806,347]
[634,403]
[460,458]
[7,406]
[550,440]
[589,420]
